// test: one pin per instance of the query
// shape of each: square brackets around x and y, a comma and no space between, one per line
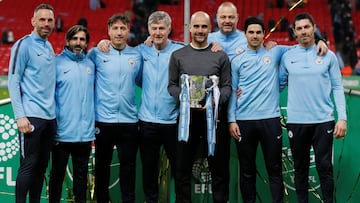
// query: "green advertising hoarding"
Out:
[9,153]
[10,159]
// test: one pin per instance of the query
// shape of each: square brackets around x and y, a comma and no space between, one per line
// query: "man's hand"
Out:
[340,129]
[270,44]
[203,103]
[24,125]
[321,48]
[103,45]
[234,131]
[148,41]
[216,47]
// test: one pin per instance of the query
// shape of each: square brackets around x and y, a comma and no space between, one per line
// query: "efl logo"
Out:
[9,144]
[202,176]
[9,147]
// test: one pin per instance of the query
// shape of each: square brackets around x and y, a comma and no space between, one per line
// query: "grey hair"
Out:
[158,16]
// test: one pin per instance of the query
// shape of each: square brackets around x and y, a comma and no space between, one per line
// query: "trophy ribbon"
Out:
[213,94]
[184,120]
[212,113]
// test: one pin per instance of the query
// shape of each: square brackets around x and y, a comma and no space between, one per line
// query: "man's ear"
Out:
[33,21]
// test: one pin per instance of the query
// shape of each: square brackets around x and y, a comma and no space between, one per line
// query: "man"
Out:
[228,36]
[75,114]
[311,80]
[231,40]
[32,88]
[115,110]
[255,116]
[196,59]
[158,111]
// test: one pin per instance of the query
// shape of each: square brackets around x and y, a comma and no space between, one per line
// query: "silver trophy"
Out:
[197,90]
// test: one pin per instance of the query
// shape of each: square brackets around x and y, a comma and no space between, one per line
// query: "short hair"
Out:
[158,16]
[302,16]
[75,29]
[227,4]
[118,17]
[197,13]
[253,20]
[43,6]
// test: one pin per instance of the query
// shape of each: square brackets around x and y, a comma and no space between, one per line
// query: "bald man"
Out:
[232,40]
[197,59]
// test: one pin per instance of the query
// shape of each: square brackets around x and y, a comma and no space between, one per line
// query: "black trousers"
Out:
[219,163]
[320,137]
[35,150]
[125,137]
[80,152]
[268,132]
[153,136]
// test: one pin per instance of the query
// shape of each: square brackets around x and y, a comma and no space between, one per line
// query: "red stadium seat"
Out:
[16,14]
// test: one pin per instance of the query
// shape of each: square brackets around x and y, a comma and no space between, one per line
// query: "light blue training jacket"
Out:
[255,72]
[157,106]
[74,96]
[311,80]
[31,79]
[115,75]
[232,44]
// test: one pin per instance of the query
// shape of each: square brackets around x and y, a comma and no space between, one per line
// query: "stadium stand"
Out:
[356,21]
[16,14]
[261,8]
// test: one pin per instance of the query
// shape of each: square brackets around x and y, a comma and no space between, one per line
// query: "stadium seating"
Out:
[16,14]
[356,22]
[261,8]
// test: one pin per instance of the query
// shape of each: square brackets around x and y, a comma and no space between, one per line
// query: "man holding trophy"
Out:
[200,79]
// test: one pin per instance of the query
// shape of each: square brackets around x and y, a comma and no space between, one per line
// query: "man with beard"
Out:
[74,114]
[32,79]
[197,59]
[254,117]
